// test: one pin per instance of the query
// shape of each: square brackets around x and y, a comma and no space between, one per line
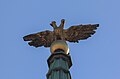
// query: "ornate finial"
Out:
[72,34]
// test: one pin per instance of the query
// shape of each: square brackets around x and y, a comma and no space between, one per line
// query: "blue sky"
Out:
[95,58]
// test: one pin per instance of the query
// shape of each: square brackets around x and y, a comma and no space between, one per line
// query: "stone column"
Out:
[59,62]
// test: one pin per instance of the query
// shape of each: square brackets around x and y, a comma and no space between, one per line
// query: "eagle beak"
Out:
[53,24]
[62,23]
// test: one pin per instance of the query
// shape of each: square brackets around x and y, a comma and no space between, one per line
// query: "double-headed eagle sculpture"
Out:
[72,34]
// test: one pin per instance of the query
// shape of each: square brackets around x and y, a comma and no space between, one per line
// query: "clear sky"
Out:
[95,58]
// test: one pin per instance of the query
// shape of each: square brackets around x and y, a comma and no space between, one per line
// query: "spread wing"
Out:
[80,32]
[44,38]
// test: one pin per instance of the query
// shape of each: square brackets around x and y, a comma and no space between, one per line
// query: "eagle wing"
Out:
[44,38]
[80,32]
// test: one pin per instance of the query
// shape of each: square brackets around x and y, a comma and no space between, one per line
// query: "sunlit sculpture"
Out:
[72,34]
[60,61]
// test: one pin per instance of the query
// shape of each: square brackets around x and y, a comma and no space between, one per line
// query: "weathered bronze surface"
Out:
[72,34]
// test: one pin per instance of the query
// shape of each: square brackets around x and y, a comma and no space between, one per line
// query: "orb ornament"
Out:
[59,45]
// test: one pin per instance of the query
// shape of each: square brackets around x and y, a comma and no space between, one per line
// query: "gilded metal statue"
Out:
[72,34]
